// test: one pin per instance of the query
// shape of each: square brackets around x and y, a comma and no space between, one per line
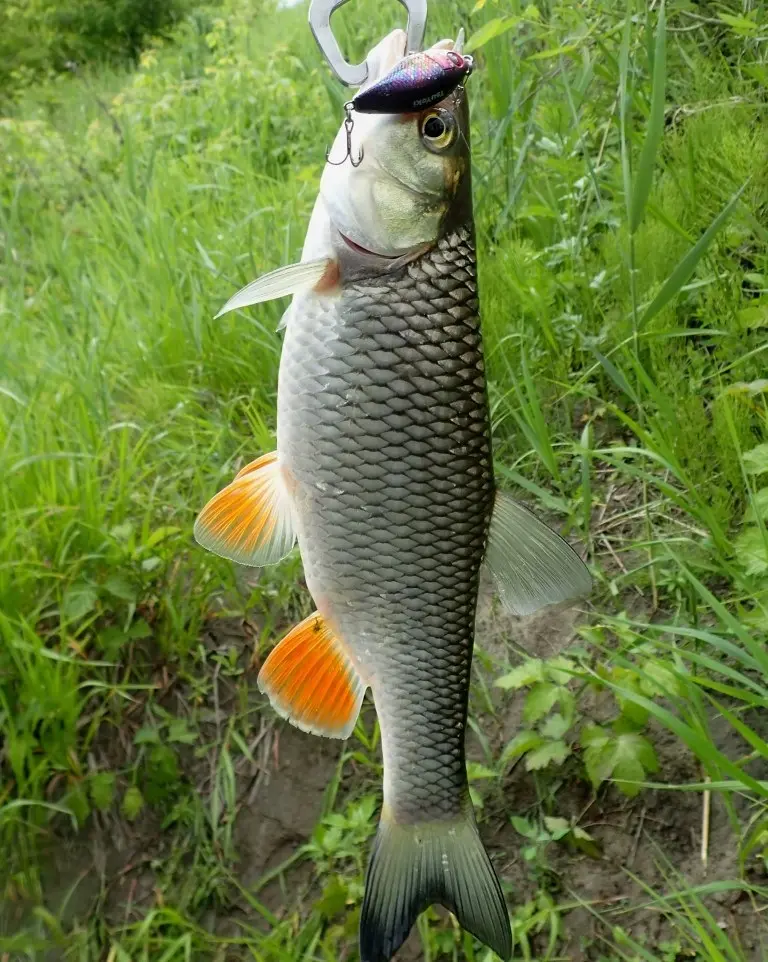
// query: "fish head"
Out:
[412,182]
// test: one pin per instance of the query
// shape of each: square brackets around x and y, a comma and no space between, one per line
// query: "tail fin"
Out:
[414,866]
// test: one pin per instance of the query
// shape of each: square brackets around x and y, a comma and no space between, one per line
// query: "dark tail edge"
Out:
[415,866]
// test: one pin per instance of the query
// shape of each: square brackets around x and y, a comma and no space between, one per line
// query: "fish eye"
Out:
[438,129]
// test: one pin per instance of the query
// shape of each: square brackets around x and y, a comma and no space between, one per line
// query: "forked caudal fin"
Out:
[415,866]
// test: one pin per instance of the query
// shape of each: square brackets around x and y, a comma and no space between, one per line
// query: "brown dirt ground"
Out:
[281,800]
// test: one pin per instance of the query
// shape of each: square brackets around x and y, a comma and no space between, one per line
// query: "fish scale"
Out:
[383,429]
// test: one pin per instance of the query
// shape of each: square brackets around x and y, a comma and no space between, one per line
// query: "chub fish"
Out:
[384,474]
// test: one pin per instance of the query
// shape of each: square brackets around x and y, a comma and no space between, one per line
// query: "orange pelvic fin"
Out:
[310,680]
[250,520]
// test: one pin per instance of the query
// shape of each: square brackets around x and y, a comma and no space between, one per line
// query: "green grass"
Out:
[621,193]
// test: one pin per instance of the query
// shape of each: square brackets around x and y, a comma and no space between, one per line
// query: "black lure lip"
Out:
[417,82]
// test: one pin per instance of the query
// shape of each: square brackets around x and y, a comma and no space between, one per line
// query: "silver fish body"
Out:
[383,429]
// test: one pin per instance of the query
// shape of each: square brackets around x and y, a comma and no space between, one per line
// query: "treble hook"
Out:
[349,123]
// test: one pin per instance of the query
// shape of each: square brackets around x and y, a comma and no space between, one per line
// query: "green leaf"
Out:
[756,460]
[555,726]
[657,680]
[754,316]
[77,802]
[625,757]
[550,752]
[111,640]
[334,899]
[758,506]
[120,587]
[157,536]
[560,669]
[522,742]
[133,802]
[523,827]
[178,731]
[752,551]
[526,674]
[476,771]
[489,31]
[747,28]
[79,600]
[147,735]
[102,788]
[671,287]
[645,167]
[139,629]
[557,827]
[540,700]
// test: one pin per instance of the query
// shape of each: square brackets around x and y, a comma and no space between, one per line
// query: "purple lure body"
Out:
[418,81]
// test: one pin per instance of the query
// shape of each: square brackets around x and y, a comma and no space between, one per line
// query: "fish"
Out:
[384,476]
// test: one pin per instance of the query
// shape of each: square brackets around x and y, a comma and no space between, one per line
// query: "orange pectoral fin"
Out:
[250,520]
[310,680]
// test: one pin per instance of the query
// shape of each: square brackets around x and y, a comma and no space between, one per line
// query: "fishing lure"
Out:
[417,82]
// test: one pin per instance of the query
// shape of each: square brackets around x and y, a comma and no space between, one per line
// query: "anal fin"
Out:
[310,680]
[532,566]
[250,520]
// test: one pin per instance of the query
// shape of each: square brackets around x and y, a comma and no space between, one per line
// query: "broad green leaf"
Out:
[139,629]
[102,786]
[752,551]
[644,173]
[120,587]
[147,735]
[79,600]
[550,752]
[557,827]
[555,726]
[489,31]
[758,506]
[526,674]
[747,28]
[133,802]
[178,731]
[540,700]
[523,827]
[687,265]
[754,316]
[77,802]
[477,771]
[551,52]
[522,742]
[756,460]
[159,535]
[624,757]
[561,669]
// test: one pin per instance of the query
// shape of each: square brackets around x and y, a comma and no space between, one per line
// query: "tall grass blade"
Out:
[671,287]
[644,173]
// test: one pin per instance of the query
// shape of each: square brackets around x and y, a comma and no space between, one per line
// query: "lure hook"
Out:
[349,124]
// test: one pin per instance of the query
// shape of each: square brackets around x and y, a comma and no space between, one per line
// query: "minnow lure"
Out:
[417,82]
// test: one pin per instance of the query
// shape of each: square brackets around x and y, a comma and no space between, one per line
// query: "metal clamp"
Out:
[354,75]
